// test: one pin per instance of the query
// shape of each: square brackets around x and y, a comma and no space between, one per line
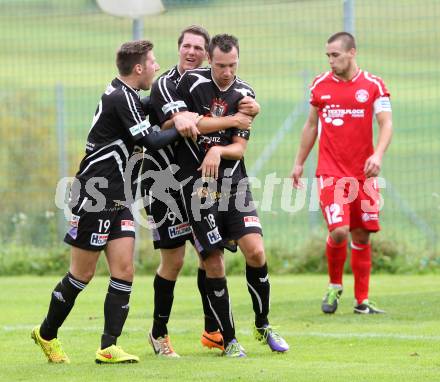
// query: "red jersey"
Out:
[345,127]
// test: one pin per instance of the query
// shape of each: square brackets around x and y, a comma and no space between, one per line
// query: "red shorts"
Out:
[350,202]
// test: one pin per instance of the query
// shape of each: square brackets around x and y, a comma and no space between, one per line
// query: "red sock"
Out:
[361,266]
[336,255]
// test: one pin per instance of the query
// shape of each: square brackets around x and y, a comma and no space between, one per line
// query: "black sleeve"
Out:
[146,105]
[159,139]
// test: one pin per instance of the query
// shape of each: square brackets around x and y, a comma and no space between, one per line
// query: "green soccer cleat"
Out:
[114,354]
[268,336]
[331,300]
[52,349]
[234,350]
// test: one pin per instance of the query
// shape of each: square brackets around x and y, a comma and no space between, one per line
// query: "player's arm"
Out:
[374,162]
[249,106]
[308,138]
[233,151]
[133,120]
[238,120]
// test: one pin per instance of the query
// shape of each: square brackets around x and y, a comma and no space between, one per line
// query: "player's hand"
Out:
[249,106]
[211,163]
[186,125]
[242,121]
[372,166]
[296,174]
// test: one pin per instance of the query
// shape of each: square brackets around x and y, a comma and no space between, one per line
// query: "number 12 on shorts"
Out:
[332,213]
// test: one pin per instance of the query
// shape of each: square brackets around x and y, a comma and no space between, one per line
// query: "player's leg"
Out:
[257,277]
[170,234]
[119,254]
[364,220]
[82,267]
[209,243]
[244,227]
[171,262]
[217,295]
[86,238]
[211,336]
[336,254]
[337,216]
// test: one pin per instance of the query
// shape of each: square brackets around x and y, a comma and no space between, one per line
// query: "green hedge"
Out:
[388,257]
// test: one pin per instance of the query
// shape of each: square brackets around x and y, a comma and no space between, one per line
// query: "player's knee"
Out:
[339,235]
[125,272]
[255,256]
[214,266]
[84,275]
[172,267]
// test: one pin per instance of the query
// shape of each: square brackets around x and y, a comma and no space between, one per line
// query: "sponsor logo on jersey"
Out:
[326,96]
[213,236]
[140,128]
[218,107]
[127,225]
[362,96]
[98,239]
[366,217]
[179,230]
[252,221]
[334,114]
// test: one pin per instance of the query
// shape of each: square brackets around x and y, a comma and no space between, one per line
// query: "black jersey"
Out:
[164,102]
[202,95]
[118,123]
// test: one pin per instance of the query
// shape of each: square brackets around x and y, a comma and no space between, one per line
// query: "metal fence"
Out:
[58,56]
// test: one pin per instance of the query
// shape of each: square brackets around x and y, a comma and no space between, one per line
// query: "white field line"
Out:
[380,336]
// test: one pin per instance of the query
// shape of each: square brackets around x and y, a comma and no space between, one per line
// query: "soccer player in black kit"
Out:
[100,220]
[221,208]
[166,215]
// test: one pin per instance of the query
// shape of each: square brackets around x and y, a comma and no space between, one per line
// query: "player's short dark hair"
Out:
[348,40]
[225,42]
[197,30]
[130,54]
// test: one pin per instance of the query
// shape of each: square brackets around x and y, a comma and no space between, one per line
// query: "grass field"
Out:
[45,43]
[402,345]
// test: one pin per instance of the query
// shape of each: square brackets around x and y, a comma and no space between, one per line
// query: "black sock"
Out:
[61,303]
[163,302]
[259,289]
[116,307]
[210,322]
[218,300]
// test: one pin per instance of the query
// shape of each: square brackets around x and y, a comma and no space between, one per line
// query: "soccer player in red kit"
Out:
[343,103]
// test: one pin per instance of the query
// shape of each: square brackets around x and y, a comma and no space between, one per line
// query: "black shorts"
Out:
[92,230]
[218,217]
[168,221]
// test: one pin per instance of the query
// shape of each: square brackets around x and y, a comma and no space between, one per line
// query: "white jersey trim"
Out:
[104,157]
[119,143]
[317,81]
[377,83]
